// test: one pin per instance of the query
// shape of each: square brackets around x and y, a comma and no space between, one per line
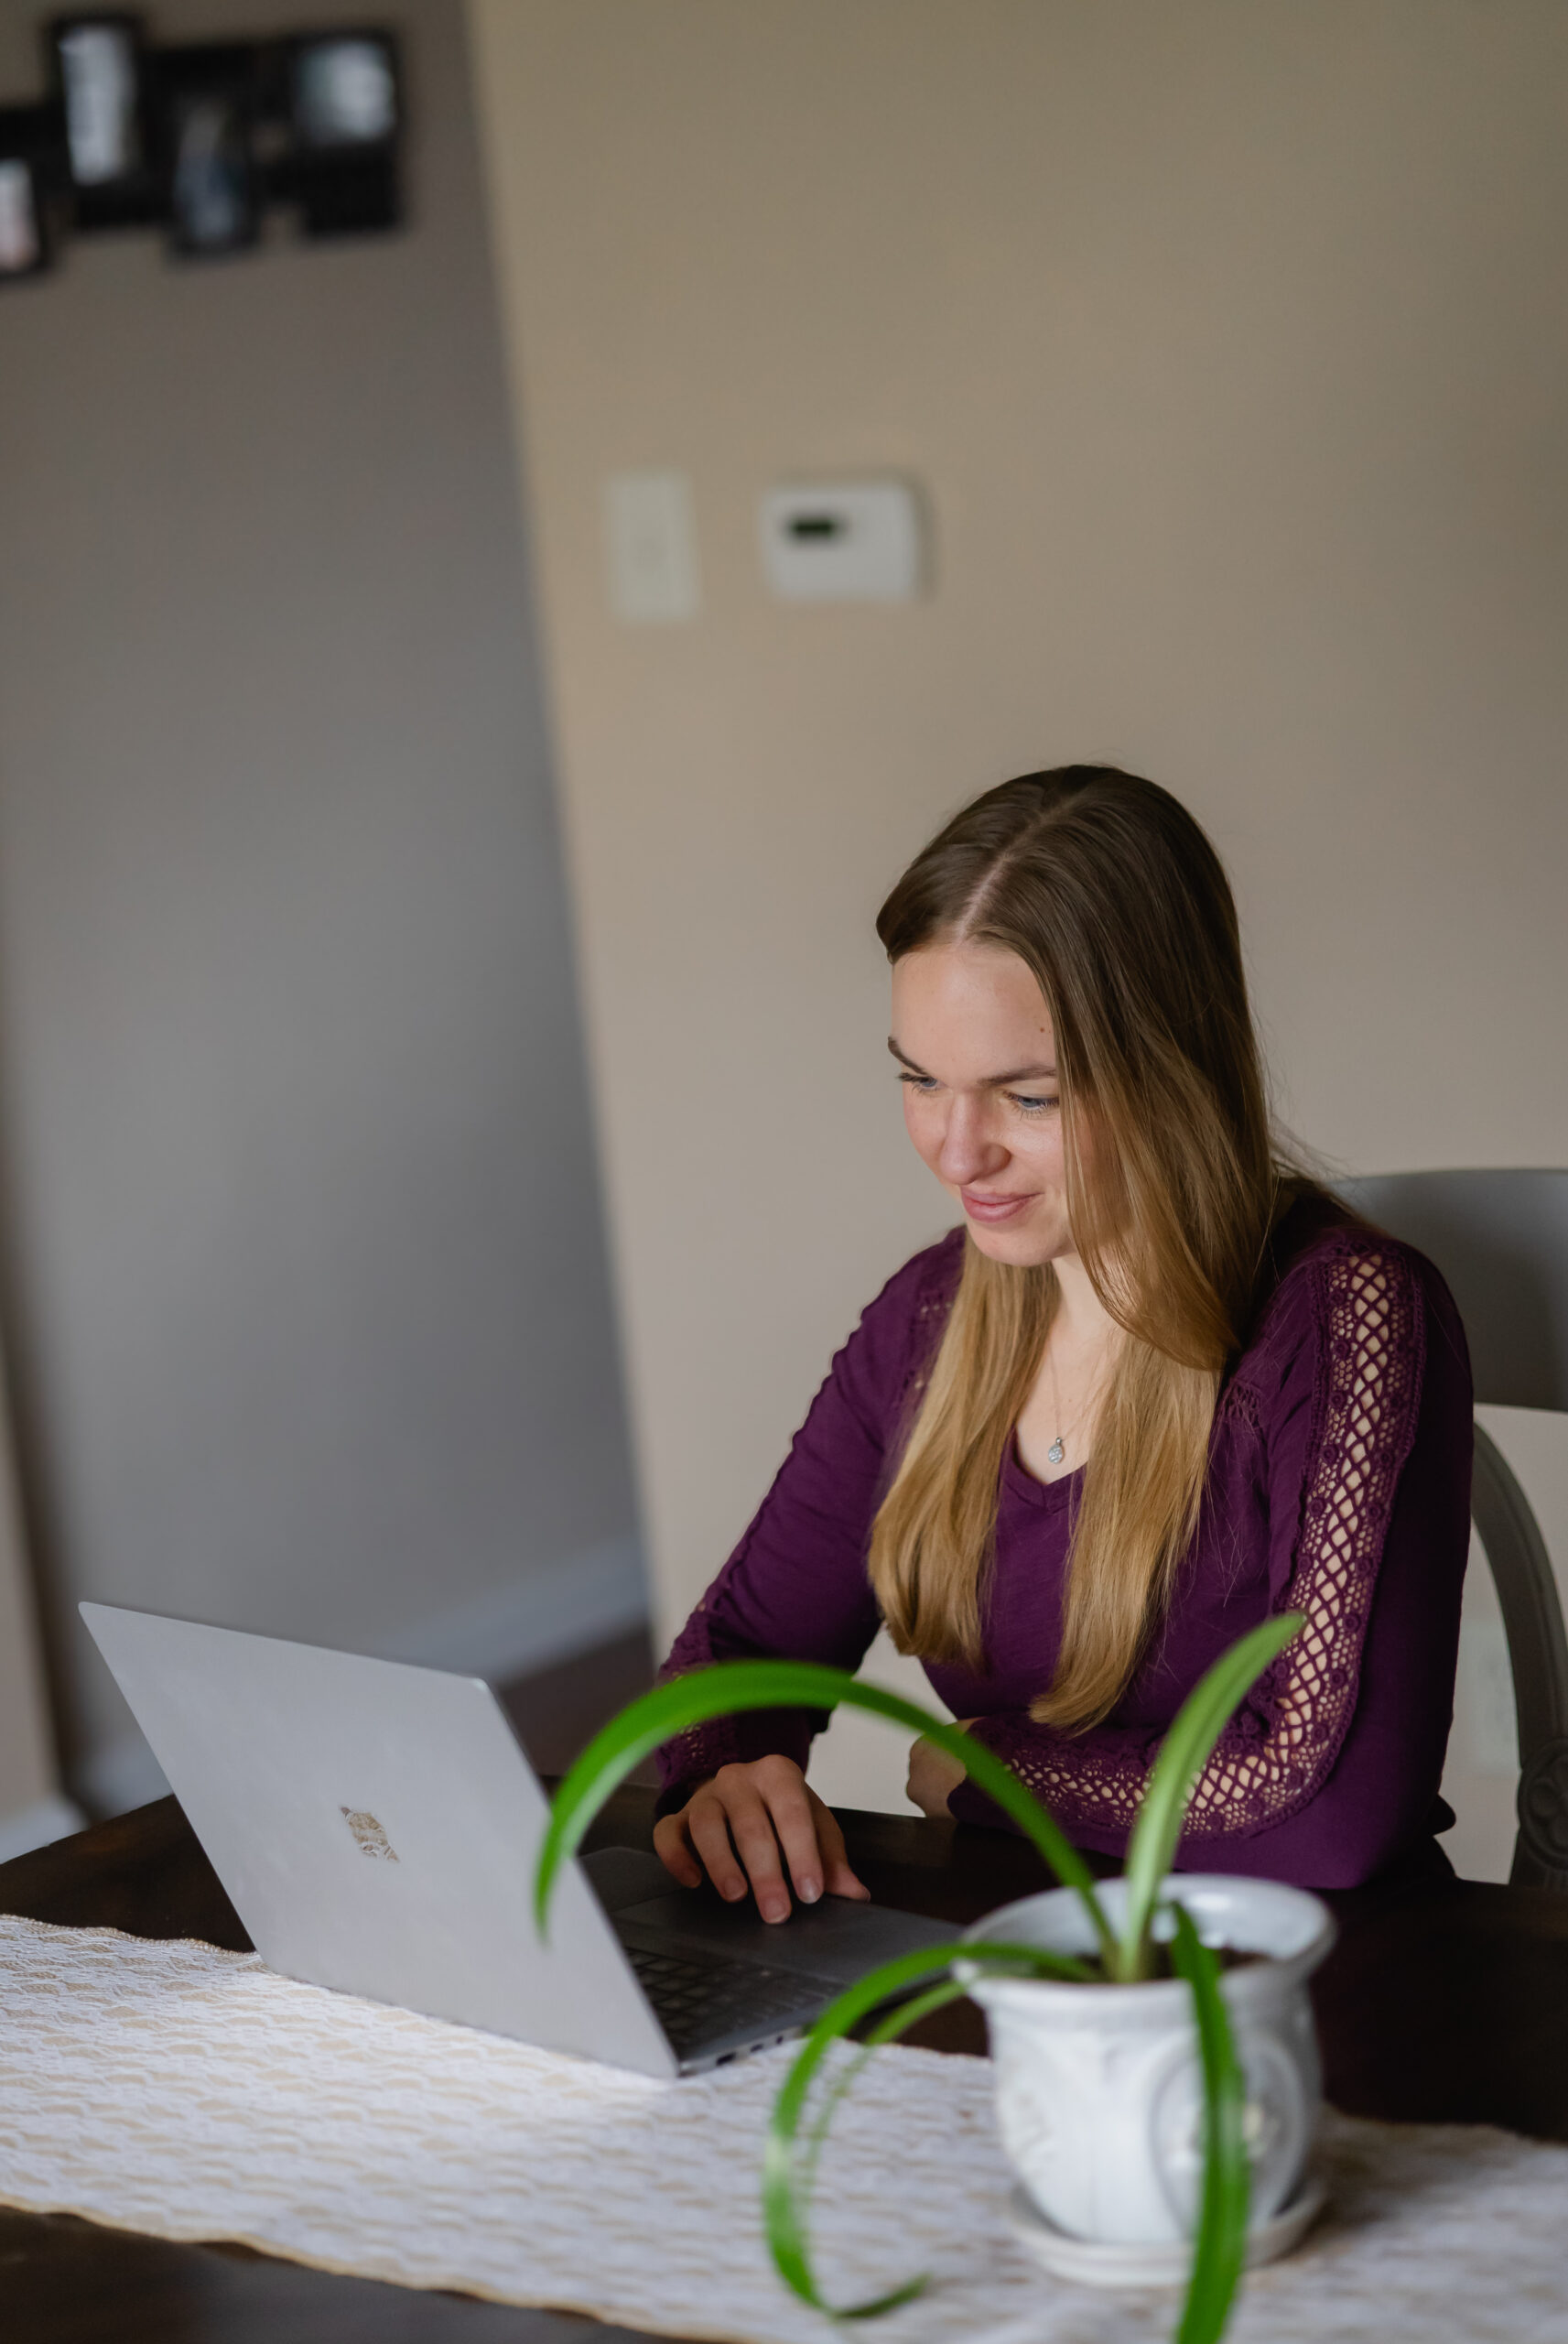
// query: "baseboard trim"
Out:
[548,1617]
[552,1615]
[118,1775]
[37,1826]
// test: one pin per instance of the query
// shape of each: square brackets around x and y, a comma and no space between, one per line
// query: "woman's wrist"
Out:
[677,1797]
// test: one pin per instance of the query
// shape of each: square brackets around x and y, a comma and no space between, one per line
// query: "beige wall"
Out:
[1231,344]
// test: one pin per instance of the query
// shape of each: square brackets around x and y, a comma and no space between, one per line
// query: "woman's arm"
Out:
[1333,1763]
[797,1587]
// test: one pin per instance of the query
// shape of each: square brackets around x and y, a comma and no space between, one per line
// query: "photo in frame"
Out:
[346,114]
[28,192]
[98,68]
[207,100]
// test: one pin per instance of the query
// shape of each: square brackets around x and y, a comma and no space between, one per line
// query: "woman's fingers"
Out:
[709,1822]
[933,1775]
[837,1877]
[672,1847]
[752,1830]
[793,1811]
[759,1825]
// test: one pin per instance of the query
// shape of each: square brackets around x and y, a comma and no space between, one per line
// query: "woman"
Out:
[1159,1387]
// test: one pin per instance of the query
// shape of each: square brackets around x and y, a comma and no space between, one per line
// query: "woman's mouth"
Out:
[992,1209]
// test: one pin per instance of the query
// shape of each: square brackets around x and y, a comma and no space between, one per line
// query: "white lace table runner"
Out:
[176,2089]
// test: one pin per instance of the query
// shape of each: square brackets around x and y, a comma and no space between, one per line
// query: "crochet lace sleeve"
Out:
[1329,1517]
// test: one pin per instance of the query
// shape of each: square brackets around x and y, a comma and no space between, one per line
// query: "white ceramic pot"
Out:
[1099,2094]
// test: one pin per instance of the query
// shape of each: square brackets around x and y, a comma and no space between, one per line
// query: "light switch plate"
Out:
[842,542]
[650,546]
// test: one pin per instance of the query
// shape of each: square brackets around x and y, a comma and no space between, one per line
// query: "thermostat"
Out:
[844,541]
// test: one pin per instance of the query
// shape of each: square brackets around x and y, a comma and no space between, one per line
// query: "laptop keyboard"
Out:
[698,2001]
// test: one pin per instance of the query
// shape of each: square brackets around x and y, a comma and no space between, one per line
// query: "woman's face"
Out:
[977,1061]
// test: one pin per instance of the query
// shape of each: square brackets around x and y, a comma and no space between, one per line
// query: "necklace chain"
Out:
[1058,1446]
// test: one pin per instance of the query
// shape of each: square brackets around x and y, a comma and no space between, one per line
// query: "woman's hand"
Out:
[933,1776]
[739,1825]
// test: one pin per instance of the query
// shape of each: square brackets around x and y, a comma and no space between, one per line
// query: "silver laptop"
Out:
[376,1826]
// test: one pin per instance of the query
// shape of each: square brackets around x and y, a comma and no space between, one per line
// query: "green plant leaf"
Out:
[730,1686]
[792,2202]
[1184,1754]
[1219,2250]
[788,2169]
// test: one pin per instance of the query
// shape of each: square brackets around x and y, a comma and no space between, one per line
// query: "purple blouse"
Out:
[1338,1485]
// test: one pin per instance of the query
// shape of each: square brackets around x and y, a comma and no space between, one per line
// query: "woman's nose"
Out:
[969,1151]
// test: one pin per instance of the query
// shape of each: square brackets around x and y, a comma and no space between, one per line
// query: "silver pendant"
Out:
[1056,1452]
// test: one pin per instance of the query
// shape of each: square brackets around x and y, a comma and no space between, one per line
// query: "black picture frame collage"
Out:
[200,138]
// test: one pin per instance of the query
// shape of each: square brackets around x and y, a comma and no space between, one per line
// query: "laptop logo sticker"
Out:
[371,1839]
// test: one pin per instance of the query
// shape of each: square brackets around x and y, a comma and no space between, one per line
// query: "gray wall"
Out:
[309,1308]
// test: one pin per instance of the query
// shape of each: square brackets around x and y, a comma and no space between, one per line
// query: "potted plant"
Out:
[1115,2007]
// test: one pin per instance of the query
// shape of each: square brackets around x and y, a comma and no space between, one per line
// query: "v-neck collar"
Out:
[1051,1497]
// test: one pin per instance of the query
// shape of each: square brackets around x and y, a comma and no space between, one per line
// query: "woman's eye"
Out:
[924,1083]
[1031,1106]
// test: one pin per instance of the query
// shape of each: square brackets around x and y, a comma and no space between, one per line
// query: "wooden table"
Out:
[1446,2000]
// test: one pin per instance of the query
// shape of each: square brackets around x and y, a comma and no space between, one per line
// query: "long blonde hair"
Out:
[1109,891]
